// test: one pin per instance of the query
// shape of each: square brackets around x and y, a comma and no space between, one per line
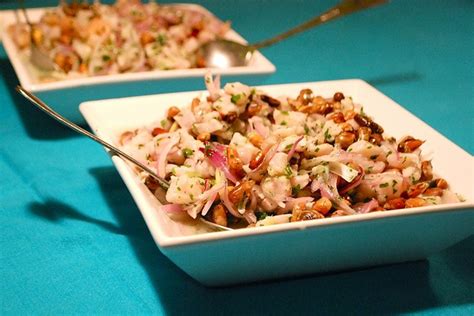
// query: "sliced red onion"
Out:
[208,204]
[329,190]
[163,155]
[367,207]
[194,210]
[225,198]
[354,182]
[172,208]
[185,119]
[209,193]
[293,148]
[219,161]
[270,154]
[213,85]
[220,148]
[250,217]
[260,128]
[315,185]
[250,128]
[253,201]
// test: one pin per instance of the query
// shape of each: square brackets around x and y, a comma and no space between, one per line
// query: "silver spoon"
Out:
[61,119]
[223,53]
[38,57]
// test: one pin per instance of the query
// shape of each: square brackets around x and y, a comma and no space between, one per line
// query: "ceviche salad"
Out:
[240,158]
[128,36]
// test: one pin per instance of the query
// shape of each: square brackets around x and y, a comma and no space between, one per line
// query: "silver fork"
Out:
[114,150]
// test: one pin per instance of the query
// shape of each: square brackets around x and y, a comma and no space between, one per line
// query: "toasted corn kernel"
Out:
[204,137]
[394,204]
[172,112]
[337,117]
[257,159]
[417,189]
[434,192]
[218,215]
[345,139]
[415,202]
[426,170]
[158,131]
[255,139]
[323,205]
[441,183]
[338,96]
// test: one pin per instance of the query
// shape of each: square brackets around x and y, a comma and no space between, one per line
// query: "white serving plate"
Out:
[65,95]
[221,258]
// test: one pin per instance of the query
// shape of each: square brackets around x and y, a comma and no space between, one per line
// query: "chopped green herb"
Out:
[288,147]
[140,146]
[178,188]
[191,196]
[285,112]
[373,157]
[295,190]
[306,129]
[327,136]
[260,215]
[389,153]
[187,152]
[394,183]
[161,39]
[105,58]
[284,123]
[383,185]
[370,169]
[288,171]
[235,98]
[163,123]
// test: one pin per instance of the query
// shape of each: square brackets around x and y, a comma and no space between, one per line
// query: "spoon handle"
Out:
[345,7]
[58,117]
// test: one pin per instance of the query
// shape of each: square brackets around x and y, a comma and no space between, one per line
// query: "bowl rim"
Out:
[261,64]
[165,241]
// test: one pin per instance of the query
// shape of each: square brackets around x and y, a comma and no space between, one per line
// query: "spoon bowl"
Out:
[223,53]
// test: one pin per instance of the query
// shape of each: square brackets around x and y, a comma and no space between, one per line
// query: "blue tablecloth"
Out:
[73,241]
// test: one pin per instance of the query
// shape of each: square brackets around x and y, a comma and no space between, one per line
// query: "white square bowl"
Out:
[222,258]
[65,95]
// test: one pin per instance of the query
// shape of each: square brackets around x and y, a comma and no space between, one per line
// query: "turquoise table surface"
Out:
[72,240]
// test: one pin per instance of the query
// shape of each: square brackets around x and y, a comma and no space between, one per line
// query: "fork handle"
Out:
[61,119]
[345,7]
